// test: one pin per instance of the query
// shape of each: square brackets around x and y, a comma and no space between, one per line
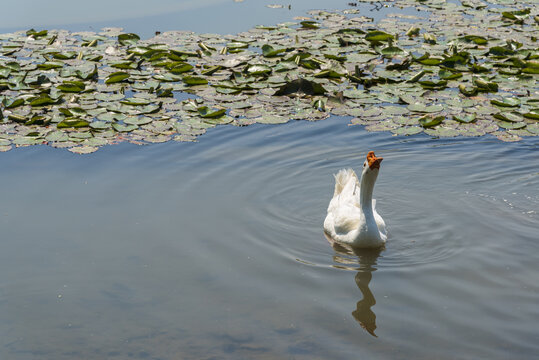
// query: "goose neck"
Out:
[366,189]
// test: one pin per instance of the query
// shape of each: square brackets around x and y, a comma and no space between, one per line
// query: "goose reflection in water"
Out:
[366,259]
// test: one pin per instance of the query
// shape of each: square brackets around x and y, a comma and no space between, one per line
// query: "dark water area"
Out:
[215,249]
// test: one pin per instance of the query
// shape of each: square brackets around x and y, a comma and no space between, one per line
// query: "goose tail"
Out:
[342,178]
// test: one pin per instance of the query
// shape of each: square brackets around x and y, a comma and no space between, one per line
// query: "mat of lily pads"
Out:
[467,69]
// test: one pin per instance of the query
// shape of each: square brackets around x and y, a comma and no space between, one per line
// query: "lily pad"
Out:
[428,121]
[465,118]
[116,77]
[506,102]
[128,39]
[418,107]
[72,123]
[206,112]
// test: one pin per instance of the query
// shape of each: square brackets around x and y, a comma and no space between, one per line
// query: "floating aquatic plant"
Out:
[463,70]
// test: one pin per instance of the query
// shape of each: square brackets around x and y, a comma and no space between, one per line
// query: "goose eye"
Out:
[364,164]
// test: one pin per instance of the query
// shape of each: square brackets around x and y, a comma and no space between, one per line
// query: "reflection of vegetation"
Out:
[464,70]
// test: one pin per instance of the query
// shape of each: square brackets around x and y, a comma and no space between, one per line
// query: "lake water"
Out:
[144,18]
[215,250]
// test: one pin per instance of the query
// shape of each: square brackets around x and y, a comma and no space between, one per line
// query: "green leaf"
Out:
[44,100]
[135,101]
[56,136]
[392,50]
[467,91]
[301,86]
[237,45]
[49,65]
[500,51]
[269,51]
[465,118]
[429,38]
[479,40]
[506,102]
[128,39]
[258,69]
[116,77]
[532,114]
[308,24]
[72,123]
[206,112]
[72,86]
[180,68]
[508,117]
[428,121]
[12,103]
[124,128]
[194,80]
[328,74]
[36,34]
[449,75]
[485,86]
[418,107]
[436,85]
[510,124]
[377,35]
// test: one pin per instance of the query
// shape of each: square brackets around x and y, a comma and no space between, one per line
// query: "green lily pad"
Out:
[428,121]
[194,80]
[442,131]
[206,112]
[301,86]
[56,136]
[83,149]
[511,125]
[135,101]
[533,114]
[72,86]
[507,116]
[270,51]
[128,39]
[181,68]
[418,107]
[124,128]
[116,77]
[72,123]
[258,69]
[44,100]
[407,130]
[377,35]
[465,118]
[506,102]
[100,125]
[12,103]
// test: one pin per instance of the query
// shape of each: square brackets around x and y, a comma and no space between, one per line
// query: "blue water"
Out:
[215,249]
[144,18]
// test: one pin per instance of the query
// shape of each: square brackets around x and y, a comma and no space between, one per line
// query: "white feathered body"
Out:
[348,221]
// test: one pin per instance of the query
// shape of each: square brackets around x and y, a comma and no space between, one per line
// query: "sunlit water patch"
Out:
[215,249]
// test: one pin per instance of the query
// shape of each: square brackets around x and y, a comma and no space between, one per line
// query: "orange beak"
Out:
[374,162]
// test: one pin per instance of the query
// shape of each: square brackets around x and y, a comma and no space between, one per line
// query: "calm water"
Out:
[216,250]
[145,17]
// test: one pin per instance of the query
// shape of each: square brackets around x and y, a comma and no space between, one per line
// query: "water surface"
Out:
[144,17]
[215,249]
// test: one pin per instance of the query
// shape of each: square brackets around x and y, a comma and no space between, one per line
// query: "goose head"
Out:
[371,166]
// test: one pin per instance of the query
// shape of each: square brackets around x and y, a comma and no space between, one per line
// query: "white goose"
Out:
[352,220]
